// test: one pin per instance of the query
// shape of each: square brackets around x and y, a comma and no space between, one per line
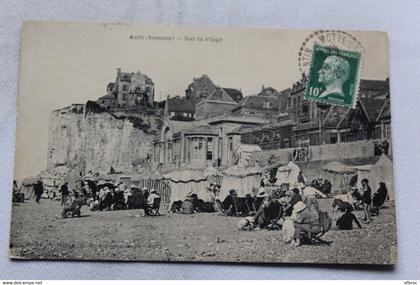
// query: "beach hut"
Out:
[287,174]
[183,182]
[213,175]
[28,187]
[243,179]
[381,171]
[338,174]
[246,154]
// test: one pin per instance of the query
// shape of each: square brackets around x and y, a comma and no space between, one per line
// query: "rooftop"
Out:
[180,104]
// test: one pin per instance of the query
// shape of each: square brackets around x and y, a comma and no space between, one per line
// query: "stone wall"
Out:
[328,152]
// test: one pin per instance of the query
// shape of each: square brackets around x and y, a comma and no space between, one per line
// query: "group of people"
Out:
[295,209]
[381,148]
[192,203]
[107,197]
[354,199]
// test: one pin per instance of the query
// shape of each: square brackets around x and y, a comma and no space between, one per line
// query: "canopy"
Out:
[241,171]
[28,187]
[183,182]
[211,171]
[243,179]
[213,175]
[30,181]
[185,176]
[245,154]
[381,171]
[287,174]
[337,167]
[338,174]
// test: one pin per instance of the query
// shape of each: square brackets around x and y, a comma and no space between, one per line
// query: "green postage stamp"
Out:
[334,76]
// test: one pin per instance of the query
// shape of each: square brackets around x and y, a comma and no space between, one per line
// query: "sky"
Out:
[65,63]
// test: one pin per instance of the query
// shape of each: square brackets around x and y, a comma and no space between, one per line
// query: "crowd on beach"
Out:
[292,208]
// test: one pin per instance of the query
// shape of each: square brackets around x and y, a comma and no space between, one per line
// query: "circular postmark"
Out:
[328,38]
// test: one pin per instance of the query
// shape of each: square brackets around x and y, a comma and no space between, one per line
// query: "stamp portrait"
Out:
[333,76]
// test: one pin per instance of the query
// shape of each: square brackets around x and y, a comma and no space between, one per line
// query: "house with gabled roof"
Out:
[179,108]
[259,106]
[220,101]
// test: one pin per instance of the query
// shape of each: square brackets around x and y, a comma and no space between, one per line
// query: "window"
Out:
[197,148]
[209,148]
[125,87]
[230,143]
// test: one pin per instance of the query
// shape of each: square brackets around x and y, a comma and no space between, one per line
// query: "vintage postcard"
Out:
[164,143]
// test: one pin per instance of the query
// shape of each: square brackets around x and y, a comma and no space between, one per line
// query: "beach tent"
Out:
[213,175]
[381,171]
[28,187]
[243,179]
[246,154]
[287,174]
[150,180]
[338,174]
[183,182]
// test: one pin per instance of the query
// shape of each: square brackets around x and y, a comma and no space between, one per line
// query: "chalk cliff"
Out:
[86,140]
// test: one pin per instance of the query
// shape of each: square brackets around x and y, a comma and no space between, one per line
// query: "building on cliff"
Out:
[130,90]
[179,109]
[201,87]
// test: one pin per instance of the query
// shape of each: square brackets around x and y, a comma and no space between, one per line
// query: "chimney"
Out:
[118,71]
[262,88]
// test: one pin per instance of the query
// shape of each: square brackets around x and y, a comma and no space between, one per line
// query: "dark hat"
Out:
[296,190]
[365,180]
[232,191]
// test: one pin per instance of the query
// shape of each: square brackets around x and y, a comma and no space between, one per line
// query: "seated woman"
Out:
[206,203]
[74,208]
[345,222]
[343,202]
[107,200]
[306,223]
[150,201]
[188,206]
[229,205]
[379,198]
[270,211]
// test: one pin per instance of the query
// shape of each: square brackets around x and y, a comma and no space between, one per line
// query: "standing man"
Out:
[39,189]
[366,199]
[64,190]
[301,178]
[385,146]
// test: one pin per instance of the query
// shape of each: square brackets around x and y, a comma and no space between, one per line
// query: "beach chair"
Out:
[154,209]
